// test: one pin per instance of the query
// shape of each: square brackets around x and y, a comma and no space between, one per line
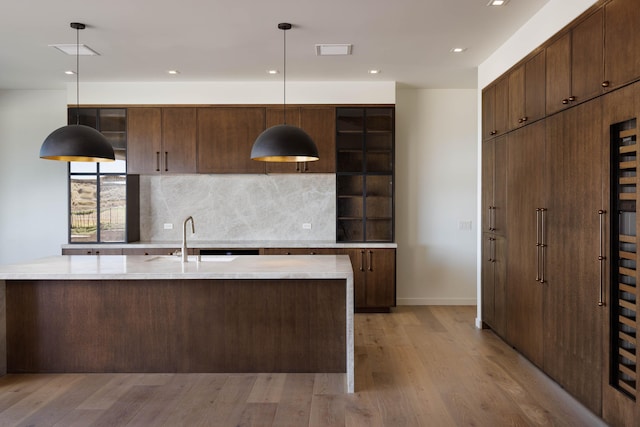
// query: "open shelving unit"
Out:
[365,172]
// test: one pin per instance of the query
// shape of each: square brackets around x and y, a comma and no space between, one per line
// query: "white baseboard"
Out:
[436,301]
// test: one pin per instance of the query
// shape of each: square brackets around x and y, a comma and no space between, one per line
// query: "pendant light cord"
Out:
[78,75]
[284,79]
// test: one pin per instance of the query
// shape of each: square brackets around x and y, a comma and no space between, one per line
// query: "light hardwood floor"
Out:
[418,366]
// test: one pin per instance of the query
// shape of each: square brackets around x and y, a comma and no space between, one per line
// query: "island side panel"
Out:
[177,326]
[3,329]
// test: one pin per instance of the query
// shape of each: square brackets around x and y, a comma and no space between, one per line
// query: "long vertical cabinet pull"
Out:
[543,245]
[537,244]
[370,261]
[491,218]
[601,257]
[157,161]
[361,260]
[166,161]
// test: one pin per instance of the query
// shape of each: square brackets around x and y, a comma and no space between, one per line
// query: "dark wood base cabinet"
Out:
[374,274]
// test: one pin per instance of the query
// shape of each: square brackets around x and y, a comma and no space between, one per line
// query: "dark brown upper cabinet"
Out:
[526,92]
[319,123]
[575,65]
[495,109]
[161,140]
[621,43]
[225,138]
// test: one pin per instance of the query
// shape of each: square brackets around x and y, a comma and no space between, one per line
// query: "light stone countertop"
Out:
[234,244]
[138,267]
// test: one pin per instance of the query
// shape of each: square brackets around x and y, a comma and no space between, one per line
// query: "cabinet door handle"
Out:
[166,161]
[601,257]
[537,244]
[565,101]
[297,166]
[306,166]
[520,120]
[572,98]
[525,118]
[606,83]
[157,161]
[370,261]
[543,245]
[361,260]
[491,258]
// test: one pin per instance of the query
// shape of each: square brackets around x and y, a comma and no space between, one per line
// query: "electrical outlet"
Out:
[168,226]
[464,225]
[306,226]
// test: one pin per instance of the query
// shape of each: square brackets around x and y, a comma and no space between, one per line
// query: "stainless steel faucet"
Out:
[185,255]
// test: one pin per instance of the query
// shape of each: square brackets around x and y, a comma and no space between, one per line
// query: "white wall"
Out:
[33,192]
[436,188]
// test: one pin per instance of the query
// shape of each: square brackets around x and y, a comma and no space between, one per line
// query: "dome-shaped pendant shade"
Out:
[284,143]
[77,143]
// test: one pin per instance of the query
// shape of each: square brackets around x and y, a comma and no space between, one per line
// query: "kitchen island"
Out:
[119,313]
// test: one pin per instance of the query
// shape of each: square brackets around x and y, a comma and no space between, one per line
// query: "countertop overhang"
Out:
[138,267]
[235,244]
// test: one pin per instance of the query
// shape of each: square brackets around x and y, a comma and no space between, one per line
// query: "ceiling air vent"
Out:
[333,49]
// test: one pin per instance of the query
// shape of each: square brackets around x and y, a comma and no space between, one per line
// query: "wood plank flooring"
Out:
[417,366]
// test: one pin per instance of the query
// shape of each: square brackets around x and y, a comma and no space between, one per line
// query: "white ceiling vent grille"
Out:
[70,49]
[333,49]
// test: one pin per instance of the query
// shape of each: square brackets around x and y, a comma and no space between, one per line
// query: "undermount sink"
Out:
[193,258]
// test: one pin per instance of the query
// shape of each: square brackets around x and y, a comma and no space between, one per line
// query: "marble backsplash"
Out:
[239,207]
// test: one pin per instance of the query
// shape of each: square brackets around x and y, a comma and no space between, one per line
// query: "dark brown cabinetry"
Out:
[573,226]
[575,65]
[621,43]
[495,109]
[92,251]
[161,140]
[225,138]
[525,195]
[494,185]
[526,92]
[365,168]
[319,123]
[494,276]
[620,131]
[374,273]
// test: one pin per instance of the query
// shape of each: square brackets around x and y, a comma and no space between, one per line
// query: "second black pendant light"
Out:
[284,143]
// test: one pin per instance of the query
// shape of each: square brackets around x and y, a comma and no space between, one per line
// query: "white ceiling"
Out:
[223,40]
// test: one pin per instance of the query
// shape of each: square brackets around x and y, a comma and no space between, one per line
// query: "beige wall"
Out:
[436,189]
[33,192]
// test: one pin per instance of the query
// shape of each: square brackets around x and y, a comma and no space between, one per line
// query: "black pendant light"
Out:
[77,143]
[284,143]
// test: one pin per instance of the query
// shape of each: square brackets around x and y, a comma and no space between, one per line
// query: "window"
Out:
[98,191]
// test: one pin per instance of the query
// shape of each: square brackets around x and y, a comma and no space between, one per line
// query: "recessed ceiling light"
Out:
[497,2]
[458,49]
[333,49]
[71,73]
[71,49]
[173,72]
[374,71]
[273,71]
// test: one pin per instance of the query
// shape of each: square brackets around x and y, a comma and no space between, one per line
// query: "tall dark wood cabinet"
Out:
[620,132]
[573,227]
[494,198]
[525,272]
